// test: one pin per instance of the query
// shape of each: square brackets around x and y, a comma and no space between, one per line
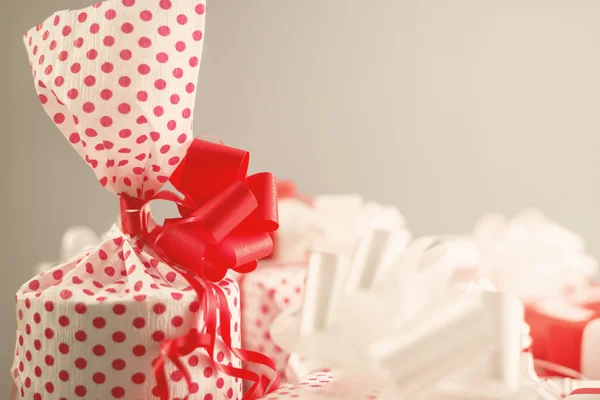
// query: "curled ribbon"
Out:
[226,223]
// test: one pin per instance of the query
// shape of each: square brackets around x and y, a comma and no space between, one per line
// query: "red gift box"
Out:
[566,331]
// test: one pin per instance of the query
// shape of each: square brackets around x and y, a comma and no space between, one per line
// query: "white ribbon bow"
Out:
[397,322]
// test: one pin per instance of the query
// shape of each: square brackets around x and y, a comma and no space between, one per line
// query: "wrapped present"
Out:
[530,248]
[333,223]
[151,311]
[351,325]
[75,241]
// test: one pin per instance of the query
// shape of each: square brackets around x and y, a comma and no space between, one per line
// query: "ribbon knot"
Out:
[226,222]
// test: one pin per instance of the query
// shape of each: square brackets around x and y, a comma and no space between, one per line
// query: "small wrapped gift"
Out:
[546,266]
[332,223]
[150,312]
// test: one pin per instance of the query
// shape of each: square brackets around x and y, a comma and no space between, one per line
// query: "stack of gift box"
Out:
[255,289]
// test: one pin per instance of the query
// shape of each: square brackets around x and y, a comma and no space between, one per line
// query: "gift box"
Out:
[565,330]
[331,223]
[152,310]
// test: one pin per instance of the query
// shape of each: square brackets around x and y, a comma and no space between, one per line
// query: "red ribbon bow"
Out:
[226,221]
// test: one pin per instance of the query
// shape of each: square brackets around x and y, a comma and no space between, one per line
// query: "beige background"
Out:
[446,108]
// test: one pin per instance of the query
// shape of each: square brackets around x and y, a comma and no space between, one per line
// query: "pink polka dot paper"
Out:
[119,80]
[91,327]
[266,292]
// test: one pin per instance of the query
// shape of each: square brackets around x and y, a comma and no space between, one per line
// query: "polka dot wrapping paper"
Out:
[267,292]
[119,81]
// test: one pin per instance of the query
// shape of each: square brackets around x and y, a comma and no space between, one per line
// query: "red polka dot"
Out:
[53,45]
[81,363]
[164,30]
[139,322]
[63,375]
[128,3]
[200,9]
[118,364]
[66,31]
[124,81]
[75,68]
[66,294]
[139,350]
[190,87]
[49,306]
[180,46]
[220,383]
[106,121]
[162,57]
[119,337]
[43,99]
[174,161]
[145,42]
[118,392]
[176,376]
[80,390]
[99,322]
[49,360]
[141,139]
[92,54]
[81,336]
[49,333]
[182,138]
[63,55]
[165,4]
[126,55]
[59,118]
[63,348]
[72,94]
[208,396]
[56,21]
[144,69]
[160,84]
[158,111]
[176,295]
[124,108]
[78,42]
[64,321]
[106,94]
[89,80]
[48,70]
[82,17]
[99,378]
[124,133]
[177,73]
[177,321]
[110,14]
[88,107]
[193,361]
[37,344]
[142,95]
[127,28]
[186,113]
[27,382]
[146,16]
[138,378]
[99,350]
[159,308]
[220,356]
[108,67]
[94,28]
[171,125]
[74,138]
[182,19]
[158,336]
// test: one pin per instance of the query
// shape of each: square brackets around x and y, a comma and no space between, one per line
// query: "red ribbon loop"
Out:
[226,223]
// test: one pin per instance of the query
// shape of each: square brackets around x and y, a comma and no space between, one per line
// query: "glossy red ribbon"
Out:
[226,223]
